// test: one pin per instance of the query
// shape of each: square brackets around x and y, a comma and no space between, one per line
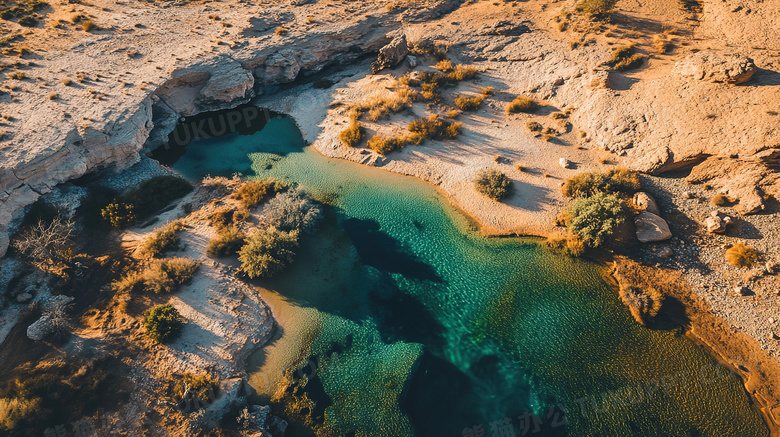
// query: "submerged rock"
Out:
[714,66]
[651,227]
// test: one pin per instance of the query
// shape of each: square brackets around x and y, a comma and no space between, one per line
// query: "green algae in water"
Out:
[443,330]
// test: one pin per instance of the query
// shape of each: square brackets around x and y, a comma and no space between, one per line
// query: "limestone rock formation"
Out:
[714,66]
[717,223]
[651,227]
[645,202]
[391,54]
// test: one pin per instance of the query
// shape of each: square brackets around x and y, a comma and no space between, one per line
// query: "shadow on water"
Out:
[379,250]
[402,317]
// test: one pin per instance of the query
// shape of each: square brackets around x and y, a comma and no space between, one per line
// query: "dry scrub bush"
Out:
[383,144]
[445,66]
[721,199]
[625,58]
[522,104]
[618,180]
[433,128]
[378,107]
[228,242]
[571,245]
[88,25]
[280,31]
[267,252]
[469,103]
[253,193]
[493,184]
[353,135]
[742,256]
[163,239]
[534,126]
[201,389]
[160,276]
[226,217]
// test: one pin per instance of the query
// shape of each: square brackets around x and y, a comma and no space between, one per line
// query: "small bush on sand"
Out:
[493,184]
[487,91]
[741,255]
[267,252]
[160,276]
[597,219]
[383,144]
[721,199]
[522,104]
[253,193]
[228,242]
[596,8]
[353,135]
[378,107]
[534,126]
[618,180]
[625,58]
[293,211]
[162,323]
[280,31]
[200,389]
[469,103]
[88,25]
[163,239]
[28,21]
[433,128]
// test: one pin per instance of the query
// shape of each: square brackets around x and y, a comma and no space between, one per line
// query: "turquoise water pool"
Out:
[439,331]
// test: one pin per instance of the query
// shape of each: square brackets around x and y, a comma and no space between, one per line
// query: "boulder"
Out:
[645,202]
[41,328]
[651,227]
[666,252]
[24,297]
[391,54]
[742,291]
[717,223]
[715,66]
[411,60]
[563,162]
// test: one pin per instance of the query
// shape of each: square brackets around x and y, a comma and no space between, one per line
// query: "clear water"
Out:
[442,331]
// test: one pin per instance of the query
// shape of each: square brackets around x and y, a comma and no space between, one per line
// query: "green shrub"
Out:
[253,193]
[469,103]
[384,144]
[163,239]
[119,214]
[267,252]
[353,135]
[201,387]
[228,242]
[618,180]
[742,255]
[493,184]
[522,104]
[156,193]
[162,323]
[597,219]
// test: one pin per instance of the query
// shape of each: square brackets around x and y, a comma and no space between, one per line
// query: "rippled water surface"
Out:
[441,332]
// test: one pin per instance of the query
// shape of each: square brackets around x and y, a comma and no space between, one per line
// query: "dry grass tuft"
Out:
[742,256]
[522,104]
